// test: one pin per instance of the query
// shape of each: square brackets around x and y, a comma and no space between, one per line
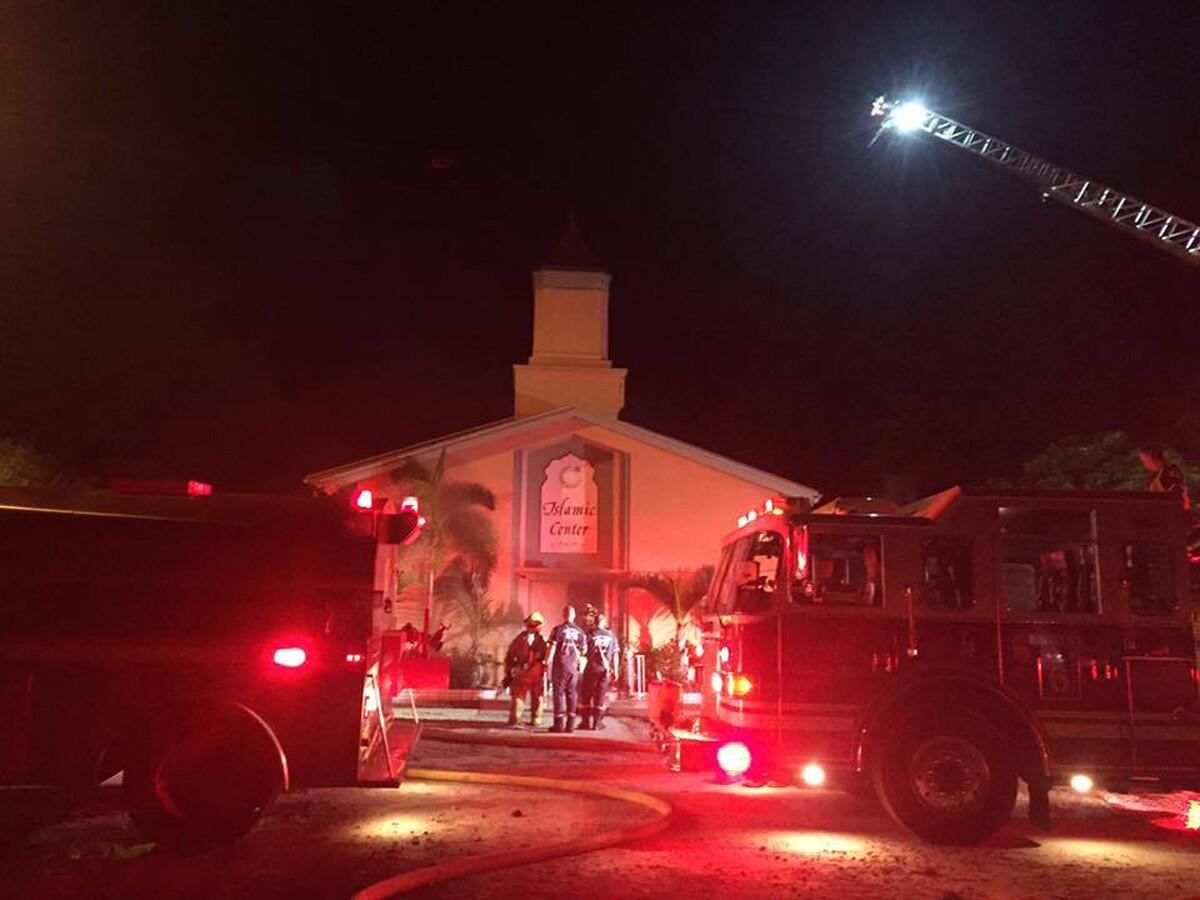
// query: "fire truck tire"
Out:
[204,777]
[949,778]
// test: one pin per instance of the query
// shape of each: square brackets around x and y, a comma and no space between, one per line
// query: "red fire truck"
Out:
[941,651]
[214,648]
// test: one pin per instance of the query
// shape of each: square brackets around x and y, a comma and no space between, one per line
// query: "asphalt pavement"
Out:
[729,841]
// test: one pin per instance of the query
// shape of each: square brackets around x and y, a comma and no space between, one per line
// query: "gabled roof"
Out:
[564,416]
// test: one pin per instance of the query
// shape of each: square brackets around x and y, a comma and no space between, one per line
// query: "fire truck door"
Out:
[1162,712]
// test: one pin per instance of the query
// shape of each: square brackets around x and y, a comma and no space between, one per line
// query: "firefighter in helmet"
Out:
[600,672]
[524,667]
[568,647]
[1165,477]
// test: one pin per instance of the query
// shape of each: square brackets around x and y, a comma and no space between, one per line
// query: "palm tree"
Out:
[679,592]
[463,593]
[458,531]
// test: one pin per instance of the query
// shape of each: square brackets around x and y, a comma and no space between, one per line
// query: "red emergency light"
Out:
[364,500]
[165,487]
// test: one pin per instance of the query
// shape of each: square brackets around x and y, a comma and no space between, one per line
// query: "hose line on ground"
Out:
[488,862]
[540,741]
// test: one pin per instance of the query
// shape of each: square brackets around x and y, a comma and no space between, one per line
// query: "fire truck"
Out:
[213,648]
[939,652]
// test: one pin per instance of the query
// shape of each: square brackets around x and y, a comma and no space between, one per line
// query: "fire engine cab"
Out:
[941,651]
[214,648]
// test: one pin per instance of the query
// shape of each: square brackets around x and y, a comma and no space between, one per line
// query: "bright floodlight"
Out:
[909,116]
[812,775]
[1082,783]
[734,759]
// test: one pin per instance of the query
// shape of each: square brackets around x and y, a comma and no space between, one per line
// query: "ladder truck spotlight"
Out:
[908,116]
[1165,230]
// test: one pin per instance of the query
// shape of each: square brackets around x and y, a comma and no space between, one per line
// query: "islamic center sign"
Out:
[568,508]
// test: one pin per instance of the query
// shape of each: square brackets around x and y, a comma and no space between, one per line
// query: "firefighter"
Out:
[1165,478]
[524,668]
[601,670]
[568,647]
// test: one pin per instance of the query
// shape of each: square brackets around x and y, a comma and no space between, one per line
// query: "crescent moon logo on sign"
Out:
[569,506]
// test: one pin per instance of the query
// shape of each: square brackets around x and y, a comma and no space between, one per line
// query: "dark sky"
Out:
[241,242]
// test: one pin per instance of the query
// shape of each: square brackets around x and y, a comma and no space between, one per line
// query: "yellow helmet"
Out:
[535,618]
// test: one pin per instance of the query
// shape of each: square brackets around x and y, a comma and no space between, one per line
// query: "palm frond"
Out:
[473,536]
[458,494]
[657,585]
[440,469]
[694,588]
[412,472]
[679,592]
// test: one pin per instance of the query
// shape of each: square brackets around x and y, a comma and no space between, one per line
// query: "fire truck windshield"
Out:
[842,569]
[750,574]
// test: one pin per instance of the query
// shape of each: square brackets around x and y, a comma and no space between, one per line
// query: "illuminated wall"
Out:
[655,511]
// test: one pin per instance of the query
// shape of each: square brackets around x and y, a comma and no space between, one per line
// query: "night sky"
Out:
[242,243]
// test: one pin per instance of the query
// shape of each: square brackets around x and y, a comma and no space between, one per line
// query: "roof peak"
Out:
[373,466]
[572,252]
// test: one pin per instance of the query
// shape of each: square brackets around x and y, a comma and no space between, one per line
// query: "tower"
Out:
[570,364]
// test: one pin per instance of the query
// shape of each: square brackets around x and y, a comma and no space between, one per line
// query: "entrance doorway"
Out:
[581,593]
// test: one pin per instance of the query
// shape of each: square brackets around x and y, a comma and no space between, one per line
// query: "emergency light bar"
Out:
[772,507]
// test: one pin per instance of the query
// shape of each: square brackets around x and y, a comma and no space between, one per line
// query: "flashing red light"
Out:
[354,658]
[734,759]
[289,657]
[364,499]
[410,503]
[164,487]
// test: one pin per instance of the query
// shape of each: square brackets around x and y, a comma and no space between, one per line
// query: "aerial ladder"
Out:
[1167,231]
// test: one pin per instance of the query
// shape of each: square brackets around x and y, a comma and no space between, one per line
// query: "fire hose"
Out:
[488,862]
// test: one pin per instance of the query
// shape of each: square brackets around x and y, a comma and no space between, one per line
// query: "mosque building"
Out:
[583,498]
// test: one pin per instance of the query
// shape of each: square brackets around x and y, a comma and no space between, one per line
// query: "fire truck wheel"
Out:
[203,778]
[949,779]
